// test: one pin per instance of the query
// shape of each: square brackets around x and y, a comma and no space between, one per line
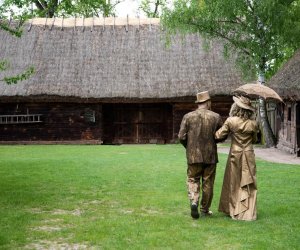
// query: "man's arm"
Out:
[182,135]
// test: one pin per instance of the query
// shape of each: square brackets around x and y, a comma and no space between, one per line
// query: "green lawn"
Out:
[132,197]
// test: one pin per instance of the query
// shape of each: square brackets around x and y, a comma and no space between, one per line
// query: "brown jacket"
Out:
[197,131]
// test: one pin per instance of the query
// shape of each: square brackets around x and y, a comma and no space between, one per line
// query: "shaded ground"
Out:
[268,154]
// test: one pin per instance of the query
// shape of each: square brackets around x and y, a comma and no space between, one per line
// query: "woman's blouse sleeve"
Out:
[223,132]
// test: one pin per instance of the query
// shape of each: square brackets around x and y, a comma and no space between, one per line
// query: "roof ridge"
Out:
[93,21]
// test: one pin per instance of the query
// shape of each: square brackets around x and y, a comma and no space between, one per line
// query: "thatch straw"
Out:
[286,81]
[115,61]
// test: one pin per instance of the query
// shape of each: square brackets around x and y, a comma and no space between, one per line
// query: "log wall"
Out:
[289,129]
[220,105]
[59,122]
[110,123]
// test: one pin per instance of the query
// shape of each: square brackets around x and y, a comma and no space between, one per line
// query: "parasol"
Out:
[255,90]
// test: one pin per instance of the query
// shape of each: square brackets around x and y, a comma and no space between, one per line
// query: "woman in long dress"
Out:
[238,196]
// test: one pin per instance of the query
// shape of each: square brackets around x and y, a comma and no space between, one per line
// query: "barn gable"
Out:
[287,83]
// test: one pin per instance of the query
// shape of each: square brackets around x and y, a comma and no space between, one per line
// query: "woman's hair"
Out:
[240,112]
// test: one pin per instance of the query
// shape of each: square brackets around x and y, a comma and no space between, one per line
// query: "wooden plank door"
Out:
[137,123]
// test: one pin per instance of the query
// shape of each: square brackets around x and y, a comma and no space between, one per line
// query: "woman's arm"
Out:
[223,132]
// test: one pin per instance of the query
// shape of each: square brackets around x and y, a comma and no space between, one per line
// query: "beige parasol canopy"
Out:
[255,90]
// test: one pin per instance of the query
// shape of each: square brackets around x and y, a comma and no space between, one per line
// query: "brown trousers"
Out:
[205,173]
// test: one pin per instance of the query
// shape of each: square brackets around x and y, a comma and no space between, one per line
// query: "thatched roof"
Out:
[112,58]
[287,80]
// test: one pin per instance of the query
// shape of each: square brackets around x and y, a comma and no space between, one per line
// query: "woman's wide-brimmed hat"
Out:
[243,102]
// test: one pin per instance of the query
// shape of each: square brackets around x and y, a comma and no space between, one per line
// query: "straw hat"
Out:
[243,102]
[202,97]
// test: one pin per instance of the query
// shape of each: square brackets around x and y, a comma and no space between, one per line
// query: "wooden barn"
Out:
[111,80]
[287,84]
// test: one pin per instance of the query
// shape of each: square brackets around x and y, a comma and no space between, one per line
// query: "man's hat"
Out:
[202,97]
[243,102]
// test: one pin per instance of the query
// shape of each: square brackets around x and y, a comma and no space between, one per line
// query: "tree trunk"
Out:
[49,7]
[264,121]
[265,125]
[155,13]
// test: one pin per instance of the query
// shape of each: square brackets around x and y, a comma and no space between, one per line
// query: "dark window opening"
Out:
[89,115]
[289,114]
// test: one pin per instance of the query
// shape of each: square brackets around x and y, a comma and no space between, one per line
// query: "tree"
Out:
[262,34]
[67,8]
[152,8]
[4,65]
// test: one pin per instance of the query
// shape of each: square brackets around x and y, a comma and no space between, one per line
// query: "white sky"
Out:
[128,7]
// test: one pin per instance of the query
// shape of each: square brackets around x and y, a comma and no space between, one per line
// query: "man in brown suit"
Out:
[196,134]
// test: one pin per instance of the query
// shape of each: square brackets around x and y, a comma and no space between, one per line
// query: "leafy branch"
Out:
[13,31]
[4,65]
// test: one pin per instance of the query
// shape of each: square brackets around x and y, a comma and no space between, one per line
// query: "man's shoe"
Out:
[194,211]
[206,213]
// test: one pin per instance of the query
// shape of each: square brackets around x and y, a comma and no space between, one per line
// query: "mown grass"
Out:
[132,197]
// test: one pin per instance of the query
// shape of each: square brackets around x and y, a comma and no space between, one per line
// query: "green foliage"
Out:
[15,31]
[153,8]
[86,8]
[20,77]
[132,197]
[263,34]
[4,65]
[66,8]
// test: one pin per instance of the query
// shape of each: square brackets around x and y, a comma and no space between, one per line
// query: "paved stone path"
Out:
[269,154]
